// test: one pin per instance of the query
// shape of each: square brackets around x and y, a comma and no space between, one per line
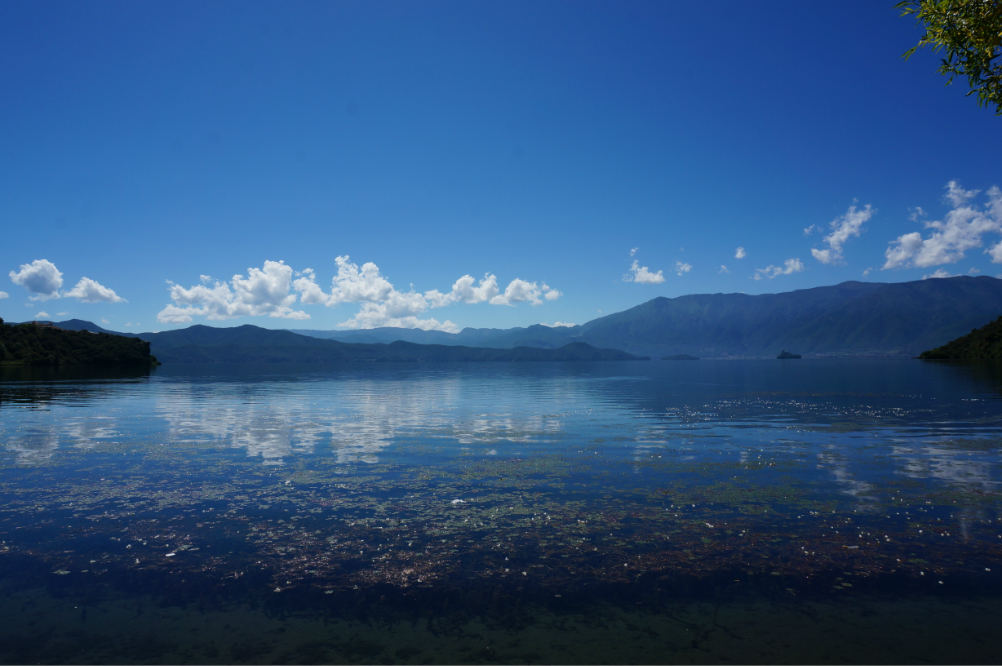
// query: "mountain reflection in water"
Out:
[490,496]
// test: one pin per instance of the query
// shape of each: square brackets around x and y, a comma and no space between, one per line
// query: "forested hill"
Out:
[981,343]
[41,344]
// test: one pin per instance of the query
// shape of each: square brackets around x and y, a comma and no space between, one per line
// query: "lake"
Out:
[816,510]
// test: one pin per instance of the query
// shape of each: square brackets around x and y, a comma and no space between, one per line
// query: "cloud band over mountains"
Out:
[274,289]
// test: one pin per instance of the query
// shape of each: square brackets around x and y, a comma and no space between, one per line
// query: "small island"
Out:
[785,355]
[680,357]
[983,343]
[42,343]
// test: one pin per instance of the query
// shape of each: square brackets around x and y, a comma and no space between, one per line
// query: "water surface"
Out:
[747,511]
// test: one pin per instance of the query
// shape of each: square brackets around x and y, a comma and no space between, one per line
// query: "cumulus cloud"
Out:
[961,230]
[789,266]
[383,305]
[634,251]
[723,269]
[263,292]
[939,273]
[740,253]
[42,315]
[89,291]
[464,291]
[395,313]
[519,291]
[4,294]
[272,291]
[40,277]
[810,230]
[643,275]
[558,324]
[682,269]
[843,228]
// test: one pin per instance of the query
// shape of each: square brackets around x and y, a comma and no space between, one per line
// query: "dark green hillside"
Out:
[980,343]
[31,344]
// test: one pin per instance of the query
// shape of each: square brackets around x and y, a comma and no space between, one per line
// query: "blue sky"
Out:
[376,163]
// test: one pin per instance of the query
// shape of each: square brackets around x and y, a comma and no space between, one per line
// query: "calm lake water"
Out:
[646,512]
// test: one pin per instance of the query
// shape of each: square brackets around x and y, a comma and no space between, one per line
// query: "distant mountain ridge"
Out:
[851,318]
[253,344]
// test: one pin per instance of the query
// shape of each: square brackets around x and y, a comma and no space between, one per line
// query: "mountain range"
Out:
[253,344]
[851,318]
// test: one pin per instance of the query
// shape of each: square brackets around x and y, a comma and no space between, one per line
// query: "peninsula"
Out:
[980,343]
[41,343]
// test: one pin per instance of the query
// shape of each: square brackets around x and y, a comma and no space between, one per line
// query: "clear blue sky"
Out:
[144,145]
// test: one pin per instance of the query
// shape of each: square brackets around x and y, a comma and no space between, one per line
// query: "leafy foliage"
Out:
[971,33]
[31,344]
[981,343]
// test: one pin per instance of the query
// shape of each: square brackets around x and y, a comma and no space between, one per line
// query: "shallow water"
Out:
[712,511]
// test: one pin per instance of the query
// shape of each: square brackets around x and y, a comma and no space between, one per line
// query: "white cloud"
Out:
[723,269]
[843,228]
[740,253]
[682,269]
[394,314]
[940,273]
[42,315]
[62,314]
[105,321]
[463,290]
[518,291]
[40,277]
[89,291]
[264,292]
[272,292]
[868,271]
[4,294]
[973,271]
[634,251]
[957,195]
[558,324]
[960,231]
[789,266]
[643,275]
[810,230]
[352,285]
